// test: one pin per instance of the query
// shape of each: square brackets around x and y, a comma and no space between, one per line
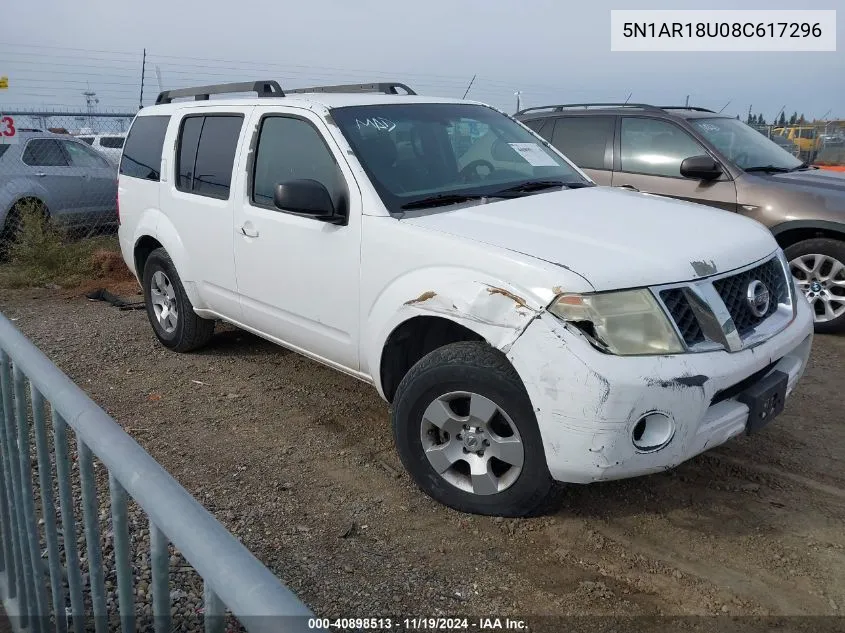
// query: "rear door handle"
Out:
[249,230]
[40,174]
[628,187]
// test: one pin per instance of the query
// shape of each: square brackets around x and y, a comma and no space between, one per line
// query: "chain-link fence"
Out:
[820,143]
[58,177]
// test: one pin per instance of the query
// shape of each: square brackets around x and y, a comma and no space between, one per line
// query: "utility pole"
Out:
[143,69]
[686,105]
[518,94]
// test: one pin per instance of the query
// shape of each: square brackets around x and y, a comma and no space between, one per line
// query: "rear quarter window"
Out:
[142,152]
[3,149]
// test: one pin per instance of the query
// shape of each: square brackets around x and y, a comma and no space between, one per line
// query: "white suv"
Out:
[525,325]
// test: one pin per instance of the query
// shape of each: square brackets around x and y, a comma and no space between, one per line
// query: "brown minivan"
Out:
[699,155]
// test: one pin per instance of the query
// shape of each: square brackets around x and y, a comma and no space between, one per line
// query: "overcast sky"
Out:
[550,50]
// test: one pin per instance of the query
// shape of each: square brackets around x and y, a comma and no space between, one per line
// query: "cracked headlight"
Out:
[626,323]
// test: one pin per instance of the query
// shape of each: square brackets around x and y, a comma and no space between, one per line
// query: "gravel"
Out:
[297,461]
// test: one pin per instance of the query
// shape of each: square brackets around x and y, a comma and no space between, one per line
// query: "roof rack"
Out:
[695,108]
[388,88]
[268,88]
[559,108]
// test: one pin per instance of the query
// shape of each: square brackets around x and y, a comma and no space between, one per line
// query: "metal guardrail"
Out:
[232,576]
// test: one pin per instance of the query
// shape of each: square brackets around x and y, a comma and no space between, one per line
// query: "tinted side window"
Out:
[189,139]
[216,156]
[87,139]
[654,147]
[292,149]
[112,142]
[535,125]
[543,127]
[3,149]
[584,139]
[44,152]
[83,156]
[142,153]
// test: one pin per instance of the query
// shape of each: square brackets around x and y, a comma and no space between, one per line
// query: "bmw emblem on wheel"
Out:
[757,297]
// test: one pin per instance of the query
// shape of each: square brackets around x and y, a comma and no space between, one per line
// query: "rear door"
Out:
[198,199]
[49,168]
[649,156]
[588,142]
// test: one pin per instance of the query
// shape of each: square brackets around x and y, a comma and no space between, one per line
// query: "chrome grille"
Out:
[713,313]
[683,316]
[733,292]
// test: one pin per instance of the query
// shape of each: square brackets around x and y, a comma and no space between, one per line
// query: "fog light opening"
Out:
[652,432]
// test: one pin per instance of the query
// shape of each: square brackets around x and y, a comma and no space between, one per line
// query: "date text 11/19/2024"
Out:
[417,624]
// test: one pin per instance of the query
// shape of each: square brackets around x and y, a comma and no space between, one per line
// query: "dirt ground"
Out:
[298,461]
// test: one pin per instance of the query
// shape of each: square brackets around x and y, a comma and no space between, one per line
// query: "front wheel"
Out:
[818,266]
[466,432]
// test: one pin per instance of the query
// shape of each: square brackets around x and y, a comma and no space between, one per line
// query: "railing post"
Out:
[9,457]
[122,559]
[74,574]
[36,593]
[90,513]
[160,566]
[48,509]
[213,610]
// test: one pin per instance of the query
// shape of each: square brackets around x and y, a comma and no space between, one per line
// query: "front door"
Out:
[98,199]
[649,160]
[298,277]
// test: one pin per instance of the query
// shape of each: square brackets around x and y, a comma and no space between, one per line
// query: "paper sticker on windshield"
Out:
[709,127]
[534,154]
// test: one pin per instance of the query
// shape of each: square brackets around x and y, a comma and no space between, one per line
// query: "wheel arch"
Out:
[408,321]
[792,232]
[155,229]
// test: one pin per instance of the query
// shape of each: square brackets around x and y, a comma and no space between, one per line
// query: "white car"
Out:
[109,145]
[524,324]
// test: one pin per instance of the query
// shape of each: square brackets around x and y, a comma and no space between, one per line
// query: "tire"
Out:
[827,299]
[483,380]
[180,330]
[11,225]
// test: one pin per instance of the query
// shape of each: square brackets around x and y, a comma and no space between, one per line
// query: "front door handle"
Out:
[41,174]
[249,230]
[628,187]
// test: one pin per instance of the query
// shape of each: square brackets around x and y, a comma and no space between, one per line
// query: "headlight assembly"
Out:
[627,323]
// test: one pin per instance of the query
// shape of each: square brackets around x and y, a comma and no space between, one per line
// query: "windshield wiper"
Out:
[442,199]
[530,186]
[769,169]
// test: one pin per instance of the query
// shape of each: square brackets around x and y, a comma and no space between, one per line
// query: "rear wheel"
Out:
[466,432]
[14,219]
[168,307]
[818,266]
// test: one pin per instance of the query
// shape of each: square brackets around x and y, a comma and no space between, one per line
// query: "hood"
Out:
[817,181]
[613,238]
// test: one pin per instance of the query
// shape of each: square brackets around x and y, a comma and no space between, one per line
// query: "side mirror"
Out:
[701,168]
[305,197]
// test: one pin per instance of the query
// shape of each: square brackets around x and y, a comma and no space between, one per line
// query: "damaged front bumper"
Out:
[588,403]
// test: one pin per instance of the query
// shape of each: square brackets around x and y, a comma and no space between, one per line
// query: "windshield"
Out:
[420,151]
[744,146]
